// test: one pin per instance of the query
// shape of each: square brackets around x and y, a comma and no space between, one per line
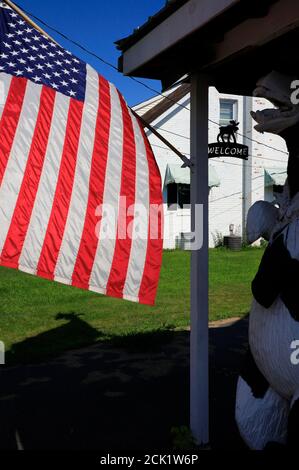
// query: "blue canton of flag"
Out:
[24,52]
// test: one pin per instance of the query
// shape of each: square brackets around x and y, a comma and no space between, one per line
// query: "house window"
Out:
[172,194]
[178,194]
[228,111]
[183,195]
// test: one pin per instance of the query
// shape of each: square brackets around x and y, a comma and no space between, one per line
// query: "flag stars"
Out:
[26,52]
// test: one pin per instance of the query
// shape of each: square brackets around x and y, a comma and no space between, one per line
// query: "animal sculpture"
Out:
[267,400]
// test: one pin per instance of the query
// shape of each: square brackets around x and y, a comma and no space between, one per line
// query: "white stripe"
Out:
[106,245]
[5,80]
[79,199]
[16,164]
[46,190]
[139,240]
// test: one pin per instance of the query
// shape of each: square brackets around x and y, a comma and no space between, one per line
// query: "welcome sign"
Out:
[227,145]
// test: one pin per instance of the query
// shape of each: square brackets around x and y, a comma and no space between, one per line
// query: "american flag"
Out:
[71,151]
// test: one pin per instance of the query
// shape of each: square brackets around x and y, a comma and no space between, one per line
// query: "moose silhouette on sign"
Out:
[228,132]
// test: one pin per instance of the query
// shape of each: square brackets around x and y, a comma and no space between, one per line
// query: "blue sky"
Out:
[96,24]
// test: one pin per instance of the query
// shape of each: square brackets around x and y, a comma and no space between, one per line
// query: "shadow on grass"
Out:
[78,333]
[125,394]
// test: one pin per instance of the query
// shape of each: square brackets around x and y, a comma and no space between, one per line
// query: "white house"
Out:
[234,184]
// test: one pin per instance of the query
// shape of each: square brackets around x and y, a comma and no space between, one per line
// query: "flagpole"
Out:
[199,337]
[29,20]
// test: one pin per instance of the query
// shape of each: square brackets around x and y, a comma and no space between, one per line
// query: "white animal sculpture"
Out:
[267,402]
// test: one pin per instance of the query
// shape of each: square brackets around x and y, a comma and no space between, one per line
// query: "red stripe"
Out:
[62,197]
[89,240]
[21,217]
[122,250]
[10,118]
[153,261]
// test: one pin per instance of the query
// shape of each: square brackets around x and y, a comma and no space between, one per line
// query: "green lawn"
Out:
[39,318]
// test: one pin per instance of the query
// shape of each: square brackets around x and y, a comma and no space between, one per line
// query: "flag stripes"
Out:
[63,192]
[10,117]
[118,271]
[148,288]
[17,158]
[88,245]
[77,209]
[4,89]
[140,214]
[46,190]
[22,213]
[106,244]
[60,160]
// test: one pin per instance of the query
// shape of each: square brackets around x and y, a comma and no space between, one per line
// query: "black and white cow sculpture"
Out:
[267,402]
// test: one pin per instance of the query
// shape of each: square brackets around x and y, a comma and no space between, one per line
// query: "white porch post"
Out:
[199,370]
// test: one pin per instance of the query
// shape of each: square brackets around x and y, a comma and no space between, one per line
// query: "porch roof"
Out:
[234,41]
